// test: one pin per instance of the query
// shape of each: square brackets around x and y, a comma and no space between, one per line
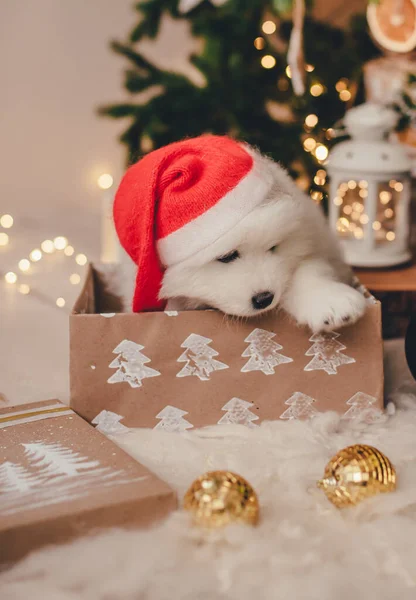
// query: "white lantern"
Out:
[370,190]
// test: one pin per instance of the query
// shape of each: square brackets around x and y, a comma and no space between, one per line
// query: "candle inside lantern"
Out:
[350,199]
[110,246]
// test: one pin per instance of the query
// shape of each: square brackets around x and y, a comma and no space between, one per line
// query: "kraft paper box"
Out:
[59,478]
[178,371]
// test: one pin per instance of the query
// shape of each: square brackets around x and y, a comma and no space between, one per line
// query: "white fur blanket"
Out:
[303,548]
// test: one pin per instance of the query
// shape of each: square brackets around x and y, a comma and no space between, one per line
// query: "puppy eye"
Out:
[230,257]
[273,248]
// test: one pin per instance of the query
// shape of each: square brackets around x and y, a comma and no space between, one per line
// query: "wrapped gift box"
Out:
[177,371]
[59,478]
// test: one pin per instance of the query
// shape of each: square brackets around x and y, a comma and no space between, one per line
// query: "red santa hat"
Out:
[180,199]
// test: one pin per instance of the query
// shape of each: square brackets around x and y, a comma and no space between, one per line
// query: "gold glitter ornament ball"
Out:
[356,473]
[221,497]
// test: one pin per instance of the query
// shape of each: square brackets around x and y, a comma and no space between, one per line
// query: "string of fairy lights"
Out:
[47,247]
[310,144]
[24,266]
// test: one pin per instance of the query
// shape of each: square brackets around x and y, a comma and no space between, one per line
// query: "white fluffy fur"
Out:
[303,549]
[305,273]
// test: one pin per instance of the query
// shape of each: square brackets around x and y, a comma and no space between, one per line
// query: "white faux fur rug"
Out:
[304,548]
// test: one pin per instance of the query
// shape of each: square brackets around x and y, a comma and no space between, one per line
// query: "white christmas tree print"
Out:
[263,352]
[109,423]
[326,352]
[55,474]
[361,407]
[238,413]
[300,407]
[172,419]
[130,365]
[15,478]
[55,459]
[199,358]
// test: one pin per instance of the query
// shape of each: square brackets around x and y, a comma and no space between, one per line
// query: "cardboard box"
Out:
[176,371]
[59,478]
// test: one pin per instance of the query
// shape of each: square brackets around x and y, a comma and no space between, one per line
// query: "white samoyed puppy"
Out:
[282,255]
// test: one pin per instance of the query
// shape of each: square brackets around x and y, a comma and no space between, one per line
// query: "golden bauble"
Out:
[221,497]
[356,473]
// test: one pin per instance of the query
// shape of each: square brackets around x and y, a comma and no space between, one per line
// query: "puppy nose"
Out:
[262,300]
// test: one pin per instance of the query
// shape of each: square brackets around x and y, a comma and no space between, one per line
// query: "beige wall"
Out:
[55,69]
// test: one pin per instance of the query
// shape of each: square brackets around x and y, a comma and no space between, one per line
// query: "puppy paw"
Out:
[333,306]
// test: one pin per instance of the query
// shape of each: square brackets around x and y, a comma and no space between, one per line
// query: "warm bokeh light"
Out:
[268,61]
[259,43]
[342,225]
[105,181]
[319,180]
[60,242]
[69,251]
[24,264]
[81,259]
[341,85]
[47,246]
[75,278]
[309,144]
[10,277]
[60,302]
[35,255]
[385,197]
[317,196]
[6,221]
[269,27]
[311,121]
[338,201]
[4,239]
[390,236]
[345,95]
[317,89]
[352,184]
[321,152]
[24,288]
[288,72]
[376,225]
